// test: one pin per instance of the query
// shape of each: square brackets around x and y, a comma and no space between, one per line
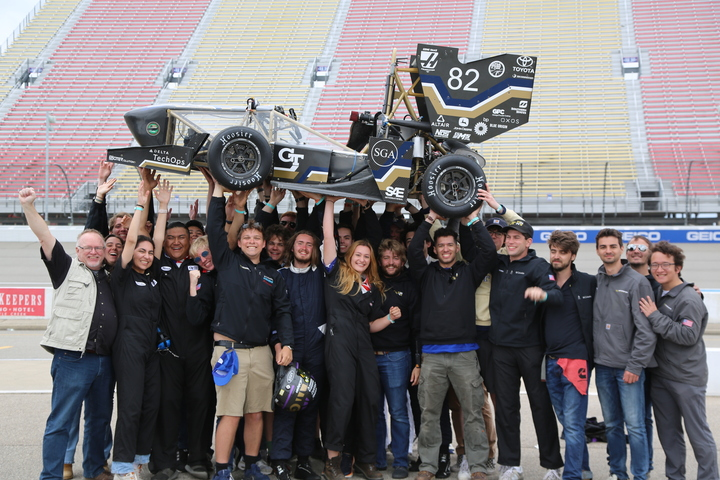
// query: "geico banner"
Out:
[673,235]
[25,302]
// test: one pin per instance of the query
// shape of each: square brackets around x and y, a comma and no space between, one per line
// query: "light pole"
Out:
[67,182]
[687,192]
[49,120]
[602,222]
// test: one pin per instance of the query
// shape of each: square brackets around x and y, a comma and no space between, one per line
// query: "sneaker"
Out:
[464,472]
[255,473]
[332,469]
[490,465]
[424,475]
[456,468]
[553,474]
[443,470]
[415,465]
[281,470]
[166,474]
[587,475]
[613,477]
[126,476]
[346,465]
[400,472]
[368,470]
[512,473]
[264,468]
[181,458]
[304,471]
[198,471]
[223,475]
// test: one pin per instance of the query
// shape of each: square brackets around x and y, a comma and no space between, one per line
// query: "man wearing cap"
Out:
[521,282]
[252,303]
[80,336]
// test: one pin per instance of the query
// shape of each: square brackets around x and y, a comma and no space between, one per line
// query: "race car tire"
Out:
[240,158]
[450,185]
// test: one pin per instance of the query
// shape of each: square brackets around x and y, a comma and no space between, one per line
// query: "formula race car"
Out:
[386,158]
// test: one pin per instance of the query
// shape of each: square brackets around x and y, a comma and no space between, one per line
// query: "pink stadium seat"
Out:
[680,104]
[97,73]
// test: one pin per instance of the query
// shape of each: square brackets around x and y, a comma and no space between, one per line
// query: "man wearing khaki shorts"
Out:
[252,303]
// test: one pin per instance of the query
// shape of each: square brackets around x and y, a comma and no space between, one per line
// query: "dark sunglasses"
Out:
[285,223]
[633,246]
[202,255]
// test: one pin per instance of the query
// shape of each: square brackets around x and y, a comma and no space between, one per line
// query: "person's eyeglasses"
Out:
[97,249]
[285,223]
[496,233]
[664,266]
[633,246]
[202,255]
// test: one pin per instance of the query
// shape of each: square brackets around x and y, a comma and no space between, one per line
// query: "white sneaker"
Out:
[555,474]
[126,476]
[464,472]
[587,475]
[613,477]
[512,473]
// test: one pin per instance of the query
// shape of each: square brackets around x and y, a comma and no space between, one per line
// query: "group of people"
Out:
[190,322]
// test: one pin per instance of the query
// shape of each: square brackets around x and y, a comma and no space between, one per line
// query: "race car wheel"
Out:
[239,158]
[450,185]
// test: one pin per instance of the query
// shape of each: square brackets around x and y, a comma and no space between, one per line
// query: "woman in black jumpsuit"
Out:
[353,299]
[135,357]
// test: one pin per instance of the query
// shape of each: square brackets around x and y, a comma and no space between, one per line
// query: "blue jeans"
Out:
[571,410]
[394,368]
[74,435]
[78,376]
[623,404]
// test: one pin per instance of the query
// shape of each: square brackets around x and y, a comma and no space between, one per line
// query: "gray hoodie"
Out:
[622,334]
[680,322]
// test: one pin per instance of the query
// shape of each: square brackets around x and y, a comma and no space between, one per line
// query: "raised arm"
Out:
[163,195]
[238,202]
[328,229]
[133,225]
[35,221]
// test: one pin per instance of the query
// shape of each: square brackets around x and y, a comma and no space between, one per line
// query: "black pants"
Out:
[511,364]
[354,381]
[137,370]
[189,379]
[295,431]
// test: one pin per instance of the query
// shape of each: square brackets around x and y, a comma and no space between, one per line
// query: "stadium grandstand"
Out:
[625,121]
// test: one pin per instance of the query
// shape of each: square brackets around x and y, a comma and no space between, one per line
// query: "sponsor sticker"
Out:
[152,128]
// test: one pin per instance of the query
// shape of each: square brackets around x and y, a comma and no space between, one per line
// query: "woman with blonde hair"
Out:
[353,299]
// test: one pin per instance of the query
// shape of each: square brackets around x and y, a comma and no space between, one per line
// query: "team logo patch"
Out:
[268,280]
[607,326]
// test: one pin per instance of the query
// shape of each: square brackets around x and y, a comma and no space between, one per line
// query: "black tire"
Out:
[450,185]
[240,158]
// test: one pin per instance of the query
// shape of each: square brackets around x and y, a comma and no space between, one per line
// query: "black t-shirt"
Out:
[138,294]
[563,330]
[103,327]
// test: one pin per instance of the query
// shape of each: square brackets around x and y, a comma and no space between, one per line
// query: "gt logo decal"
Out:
[288,155]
